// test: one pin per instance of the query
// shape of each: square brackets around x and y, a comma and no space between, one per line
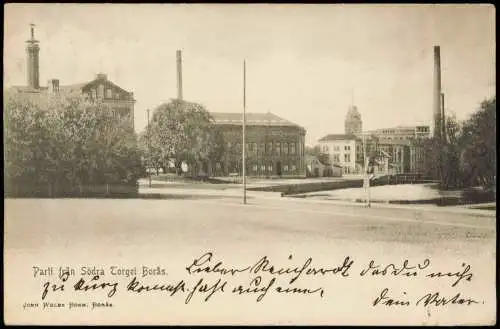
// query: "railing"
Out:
[408,178]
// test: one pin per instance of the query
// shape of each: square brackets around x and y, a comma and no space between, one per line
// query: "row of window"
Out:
[336,158]
[278,148]
[99,93]
[398,137]
[336,148]
[270,168]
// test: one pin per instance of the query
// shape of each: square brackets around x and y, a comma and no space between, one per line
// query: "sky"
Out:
[305,63]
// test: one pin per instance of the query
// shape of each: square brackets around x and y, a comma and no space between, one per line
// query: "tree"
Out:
[61,144]
[150,152]
[324,158]
[441,156]
[218,148]
[478,156]
[184,132]
[467,156]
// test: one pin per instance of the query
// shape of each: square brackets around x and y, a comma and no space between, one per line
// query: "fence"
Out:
[402,179]
[82,191]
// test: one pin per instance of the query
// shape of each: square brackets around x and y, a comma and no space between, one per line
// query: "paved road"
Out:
[171,232]
[38,222]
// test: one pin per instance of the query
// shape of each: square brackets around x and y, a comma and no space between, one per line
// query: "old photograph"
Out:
[249,164]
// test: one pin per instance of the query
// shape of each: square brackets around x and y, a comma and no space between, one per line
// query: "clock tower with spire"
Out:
[353,123]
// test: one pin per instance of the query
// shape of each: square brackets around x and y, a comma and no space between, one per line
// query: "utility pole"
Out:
[437,97]
[149,150]
[244,137]
[366,178]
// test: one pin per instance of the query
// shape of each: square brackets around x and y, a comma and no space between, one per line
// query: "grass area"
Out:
[490,207]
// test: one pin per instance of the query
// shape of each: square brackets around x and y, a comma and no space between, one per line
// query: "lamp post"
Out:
[366,178]
[149,150]
[244,137]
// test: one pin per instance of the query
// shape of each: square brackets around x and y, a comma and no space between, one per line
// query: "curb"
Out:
[277,196]
[449,209]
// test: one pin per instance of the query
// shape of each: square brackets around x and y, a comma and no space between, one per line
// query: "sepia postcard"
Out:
[251,164]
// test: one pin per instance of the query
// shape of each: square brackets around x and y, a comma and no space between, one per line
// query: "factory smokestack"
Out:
[33,50]
[179,75]
[438,128]
[443,118]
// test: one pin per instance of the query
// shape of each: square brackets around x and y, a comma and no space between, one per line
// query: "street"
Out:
[171,233]
[53,223]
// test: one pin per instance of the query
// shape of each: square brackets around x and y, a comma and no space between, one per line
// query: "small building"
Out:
[317,168]
[341,150]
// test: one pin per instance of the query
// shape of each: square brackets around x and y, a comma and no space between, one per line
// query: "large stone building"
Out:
[400,144]
[98,89]
[274,146]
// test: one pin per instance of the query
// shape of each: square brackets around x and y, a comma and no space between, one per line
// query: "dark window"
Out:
[285,149]
[261,148]
[269,149]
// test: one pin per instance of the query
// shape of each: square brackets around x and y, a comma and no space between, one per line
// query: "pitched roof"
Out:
[254,119]
[337,137]
[65,89]
[72,88]
[77,87]
[26,89]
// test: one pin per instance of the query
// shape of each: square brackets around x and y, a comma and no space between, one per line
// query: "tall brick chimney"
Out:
[179,75]
[443,118]
[32,51]
[437,94]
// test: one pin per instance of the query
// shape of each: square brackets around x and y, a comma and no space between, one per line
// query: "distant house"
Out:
[316,168]
[341,149]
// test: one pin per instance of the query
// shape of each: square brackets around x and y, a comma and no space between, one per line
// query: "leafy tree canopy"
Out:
[182,131]
[67,141]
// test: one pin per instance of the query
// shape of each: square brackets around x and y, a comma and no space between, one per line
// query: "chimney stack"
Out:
[437,94]
[32,51]
[101,76]
[179,75]
[443,118]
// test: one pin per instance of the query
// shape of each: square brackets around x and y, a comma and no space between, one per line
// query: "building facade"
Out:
[341,150]
[99,89]
[316,168]
[275,147]
[397,149]
[400,144]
